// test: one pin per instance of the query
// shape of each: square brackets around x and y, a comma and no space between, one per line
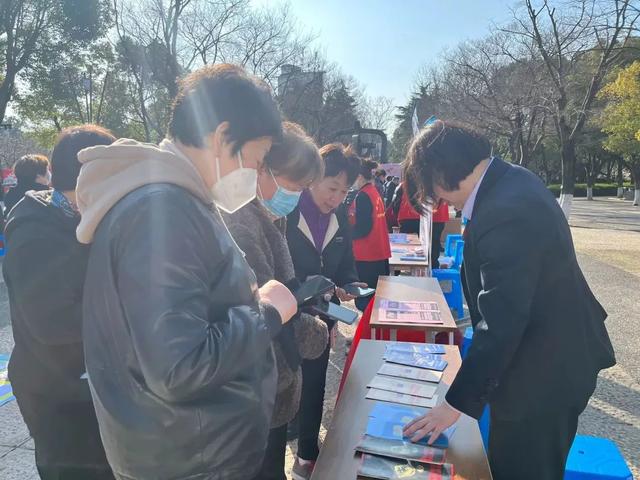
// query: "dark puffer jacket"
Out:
[44,271]
[178,348]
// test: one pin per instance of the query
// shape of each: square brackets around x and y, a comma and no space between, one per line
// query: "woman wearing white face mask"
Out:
[177,335]
[290,167]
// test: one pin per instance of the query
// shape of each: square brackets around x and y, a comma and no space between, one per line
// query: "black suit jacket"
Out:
[539,334]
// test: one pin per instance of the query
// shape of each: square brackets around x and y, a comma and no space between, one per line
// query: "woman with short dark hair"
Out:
[319,238]
[32,173]
[44,270]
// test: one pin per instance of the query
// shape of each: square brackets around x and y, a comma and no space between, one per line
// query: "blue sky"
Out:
[383,43]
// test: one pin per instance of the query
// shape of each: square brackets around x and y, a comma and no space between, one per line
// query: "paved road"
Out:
[605,213]
[607,237]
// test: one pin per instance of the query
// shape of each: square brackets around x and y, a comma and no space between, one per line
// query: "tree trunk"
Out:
[589,193]
[6,89]
[620,178]
[635,172]
[568,157]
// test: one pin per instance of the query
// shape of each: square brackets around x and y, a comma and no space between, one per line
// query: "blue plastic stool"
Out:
[1,245]
[484,421]
[450,244]
[451,286]
[592,458]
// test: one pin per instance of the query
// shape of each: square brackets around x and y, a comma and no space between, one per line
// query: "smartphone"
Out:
[356,291]
[312,288]
[336,312]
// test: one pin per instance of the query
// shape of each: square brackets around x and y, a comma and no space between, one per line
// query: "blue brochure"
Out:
[431,362]
[387,421]
[420,348]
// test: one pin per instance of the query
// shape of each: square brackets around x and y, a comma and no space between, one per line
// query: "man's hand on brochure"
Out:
[433,423]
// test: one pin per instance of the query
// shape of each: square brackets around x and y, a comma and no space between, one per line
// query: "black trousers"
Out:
[273,463]
[410,226]
[534,448]
[368,272]
[436,246]
[314,377]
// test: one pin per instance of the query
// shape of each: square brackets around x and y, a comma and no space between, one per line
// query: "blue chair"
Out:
[1,245]
[451,285]
[484,422]
[450,244]
[592,458]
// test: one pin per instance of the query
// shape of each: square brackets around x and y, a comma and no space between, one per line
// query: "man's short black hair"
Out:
[338,159]
[381,173]
[389,178]
[28,167]
[444,153]
[224,93]
[65,166]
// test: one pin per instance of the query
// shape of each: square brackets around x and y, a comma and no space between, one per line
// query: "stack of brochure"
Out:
[409,312]
[410,375]
[387,455]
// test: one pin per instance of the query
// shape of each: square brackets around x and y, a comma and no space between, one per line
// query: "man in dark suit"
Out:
[539,334]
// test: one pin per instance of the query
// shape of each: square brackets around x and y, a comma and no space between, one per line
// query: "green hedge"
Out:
[599,189]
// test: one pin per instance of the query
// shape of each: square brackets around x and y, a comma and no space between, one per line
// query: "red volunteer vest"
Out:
[407,212]
[441,215]
[375,246]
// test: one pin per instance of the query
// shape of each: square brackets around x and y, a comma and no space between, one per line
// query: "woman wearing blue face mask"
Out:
[258,228]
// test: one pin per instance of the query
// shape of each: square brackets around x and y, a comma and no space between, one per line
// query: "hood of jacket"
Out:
[110,172]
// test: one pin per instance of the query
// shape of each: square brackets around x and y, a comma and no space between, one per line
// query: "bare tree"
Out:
[210,29]
[499,88]
[376,112]
[270,39]
[584,33]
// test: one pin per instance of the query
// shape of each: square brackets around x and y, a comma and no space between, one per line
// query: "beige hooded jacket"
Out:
[110,172]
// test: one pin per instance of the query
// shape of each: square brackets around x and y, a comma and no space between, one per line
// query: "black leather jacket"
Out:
[178,349]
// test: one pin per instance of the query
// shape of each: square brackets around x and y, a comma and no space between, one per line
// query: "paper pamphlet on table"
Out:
[382,468]
[398,385]
[411,373]
[422,318]
[387,420]
[403,398]
[413,258]
[409,306]
[401,449]
[431,362]
[421,348]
